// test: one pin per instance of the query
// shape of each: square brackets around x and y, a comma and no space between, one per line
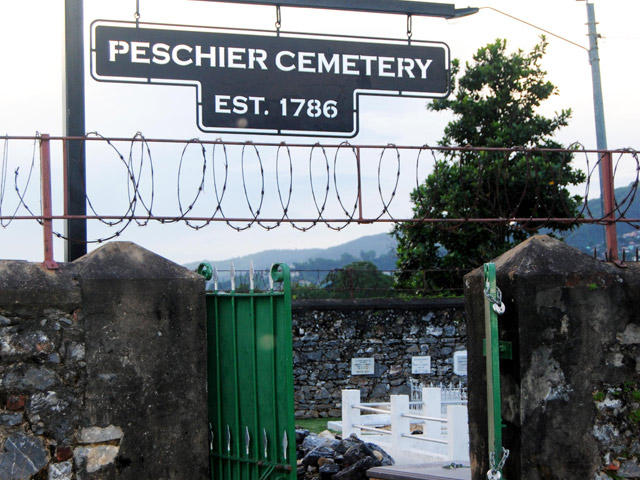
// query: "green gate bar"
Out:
[492,359]
[250,362]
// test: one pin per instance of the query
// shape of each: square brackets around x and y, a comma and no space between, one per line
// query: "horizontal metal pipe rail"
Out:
[425,439]
[400,431]
[422,417]
[373,429]
[180,218]
[371,409]
[343,145]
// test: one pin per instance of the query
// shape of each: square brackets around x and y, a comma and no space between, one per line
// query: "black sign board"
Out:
[266,83]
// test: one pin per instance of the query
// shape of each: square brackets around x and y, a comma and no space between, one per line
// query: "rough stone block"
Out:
[63,453]
[10,419]
[630,336]
[100,435]
[53,414]
[60,471]
[629,469]
[30,378]
[95,458]
[23,457]
[16,402]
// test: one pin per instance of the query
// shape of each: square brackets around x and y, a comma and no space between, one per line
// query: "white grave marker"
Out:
[460,363]
[421,365]
[362,366]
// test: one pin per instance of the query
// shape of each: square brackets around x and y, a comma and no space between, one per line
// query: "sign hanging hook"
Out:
[409,28]
[278,19]
[137,14]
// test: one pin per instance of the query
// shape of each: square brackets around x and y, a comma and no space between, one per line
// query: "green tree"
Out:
[495,104]
[357,280]
[368,255]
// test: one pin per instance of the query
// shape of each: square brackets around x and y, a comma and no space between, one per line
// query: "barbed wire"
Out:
[307,185]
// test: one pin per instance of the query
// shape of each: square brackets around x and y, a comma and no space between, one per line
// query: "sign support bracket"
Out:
[74,126]
[399,7]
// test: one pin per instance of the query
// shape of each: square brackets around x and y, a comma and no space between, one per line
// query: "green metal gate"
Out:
[250,362]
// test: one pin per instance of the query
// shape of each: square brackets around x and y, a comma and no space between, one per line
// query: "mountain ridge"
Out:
[381,248]
[380,243]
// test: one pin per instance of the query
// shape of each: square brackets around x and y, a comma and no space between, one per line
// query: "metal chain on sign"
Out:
[409,28]
[496,302]
[137,14]
[494,471]
[278,19]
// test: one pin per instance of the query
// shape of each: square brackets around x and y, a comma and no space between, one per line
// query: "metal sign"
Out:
[265,83]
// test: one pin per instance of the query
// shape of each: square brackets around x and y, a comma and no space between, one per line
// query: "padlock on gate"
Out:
[494,475]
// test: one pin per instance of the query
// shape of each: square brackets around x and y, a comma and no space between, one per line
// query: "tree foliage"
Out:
[358,280]
[495,104]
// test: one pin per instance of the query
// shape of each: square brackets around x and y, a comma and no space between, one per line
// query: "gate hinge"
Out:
[505,349]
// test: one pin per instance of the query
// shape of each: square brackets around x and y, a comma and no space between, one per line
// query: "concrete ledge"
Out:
[421,472]
[31,285]
[376,304]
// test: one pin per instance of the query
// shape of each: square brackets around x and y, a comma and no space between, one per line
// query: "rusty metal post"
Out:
[608,196]
[359,185]
[350,275]
[45,184]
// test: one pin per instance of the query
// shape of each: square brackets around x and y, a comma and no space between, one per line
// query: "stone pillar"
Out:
[103,369]
[568,393]
[144,318]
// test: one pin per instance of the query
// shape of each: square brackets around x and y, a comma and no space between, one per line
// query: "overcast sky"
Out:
[31,32]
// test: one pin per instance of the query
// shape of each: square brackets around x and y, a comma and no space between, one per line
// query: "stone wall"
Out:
[103,364]
[102,369]
[571,393]
[328,334]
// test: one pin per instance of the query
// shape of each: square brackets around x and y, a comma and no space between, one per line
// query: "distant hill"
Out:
[379,249]
[588,237]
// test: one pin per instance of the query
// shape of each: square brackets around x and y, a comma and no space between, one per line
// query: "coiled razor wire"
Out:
[319,208]
[183,211]
[141,170]
[385,205]
[284,205]
[21,193]
[219,195]
[349,214]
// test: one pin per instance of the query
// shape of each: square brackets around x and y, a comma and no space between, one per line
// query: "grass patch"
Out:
[314,425]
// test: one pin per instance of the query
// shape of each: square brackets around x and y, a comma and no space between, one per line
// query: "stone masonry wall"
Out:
[328,334]
[102,369]
[42,369]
